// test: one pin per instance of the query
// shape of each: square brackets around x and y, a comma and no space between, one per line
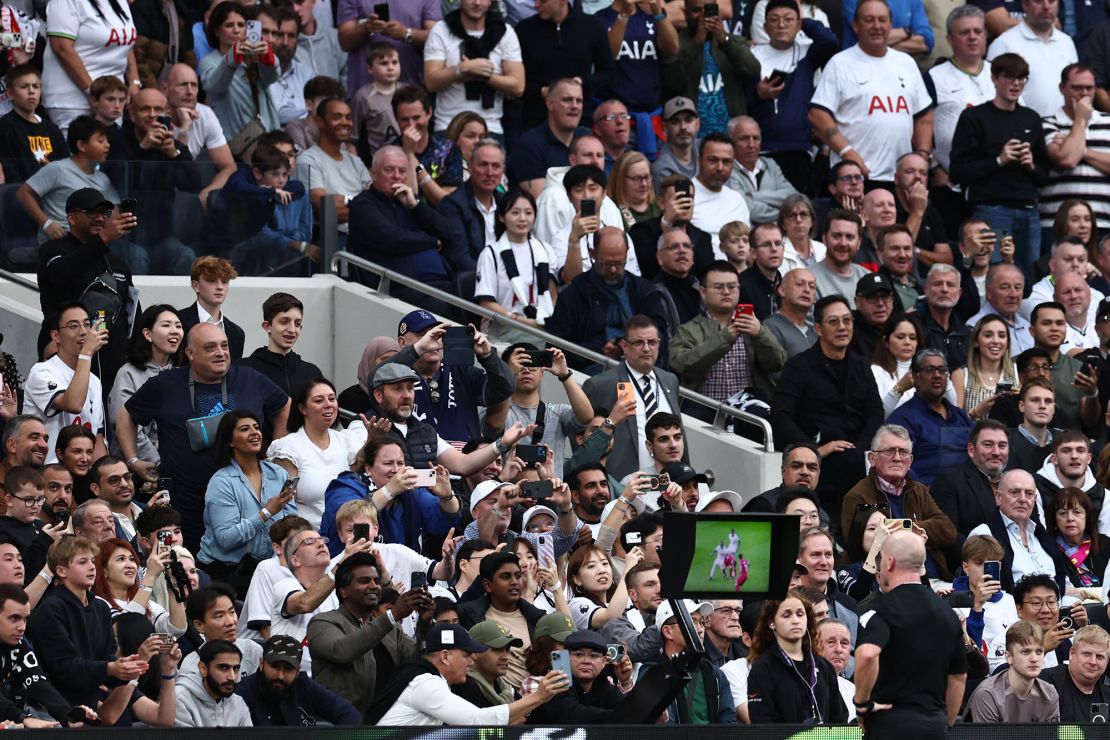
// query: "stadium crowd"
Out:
[880,226]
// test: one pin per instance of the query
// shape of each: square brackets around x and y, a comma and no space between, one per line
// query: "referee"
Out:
[910,660]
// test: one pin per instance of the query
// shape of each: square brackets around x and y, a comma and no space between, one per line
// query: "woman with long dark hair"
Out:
[1073,523]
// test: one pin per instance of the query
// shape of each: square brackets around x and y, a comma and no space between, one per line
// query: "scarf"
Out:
[375,348]
[1077,556]
[530,291]
[477,48]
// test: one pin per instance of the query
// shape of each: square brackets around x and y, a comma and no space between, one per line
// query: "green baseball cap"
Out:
[555,625]
[494,635]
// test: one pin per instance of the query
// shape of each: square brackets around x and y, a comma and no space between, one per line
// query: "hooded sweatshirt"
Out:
[289,371]
[1049,484]
[195,708]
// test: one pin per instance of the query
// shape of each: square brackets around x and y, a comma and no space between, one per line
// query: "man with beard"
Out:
[485,684]
[287,92]
[966,492]
[875,303]
[838,273]
[279,693]
[208,699]
[328,169]
[940,315]
[353,650]
[26,442]
[24,498]
[801,468]
[636,627]
[58,489]
[589,488]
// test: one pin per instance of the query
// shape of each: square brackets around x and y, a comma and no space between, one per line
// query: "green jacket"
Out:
[701,342]
[682,71]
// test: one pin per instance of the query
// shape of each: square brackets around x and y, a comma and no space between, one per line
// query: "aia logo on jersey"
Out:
[637,50]
[121,37]
[887,104]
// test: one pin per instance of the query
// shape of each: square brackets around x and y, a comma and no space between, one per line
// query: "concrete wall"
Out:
[340,318]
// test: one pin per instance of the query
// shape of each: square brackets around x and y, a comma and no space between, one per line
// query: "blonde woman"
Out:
[988,364]
[630,188]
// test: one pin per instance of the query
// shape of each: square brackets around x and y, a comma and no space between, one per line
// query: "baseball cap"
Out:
[483,489]
[555,625]
[800,569]
[678,105]
[1103,313]
[418,320]
[872,284]
[494,635]
[87,199]
[393,372]
[586,639]
[535,511]
[450,637]
[665,612]
[681,473]
[732,497]
[282,649]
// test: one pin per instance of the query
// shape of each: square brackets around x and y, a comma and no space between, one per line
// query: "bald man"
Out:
[901,689]
[877,210]
[195,124]
[1074,294]
[208,386]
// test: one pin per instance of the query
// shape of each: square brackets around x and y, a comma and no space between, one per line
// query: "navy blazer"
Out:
[467,225]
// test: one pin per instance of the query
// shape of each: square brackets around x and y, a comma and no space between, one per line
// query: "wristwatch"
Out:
[608,424]
[408,35]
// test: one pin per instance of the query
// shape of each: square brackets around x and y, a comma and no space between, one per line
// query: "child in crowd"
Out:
[107,99]
[734,243]
[372,104]
[27,140]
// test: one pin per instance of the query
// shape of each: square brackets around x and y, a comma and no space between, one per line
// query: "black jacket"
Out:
[981,133]
[21,680]
[32,542]
[1048,489]
[998,531]
[954,342]
[777,693]
[474,611]
[811,401]
[467,225]
[302,704]
[645,240]
[75,643]
[290,372]
[385,232]
[236,337]
[965,495]
[577,707]
[762,293]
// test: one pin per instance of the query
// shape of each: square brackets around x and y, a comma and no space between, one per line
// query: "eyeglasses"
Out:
[836,321]
[728,611]
[849,178]
[1038,604]
[310,541]
[1019,80]
[77,325]
[894,452]
[724,287]
[806,515]
[934,370]
[616,117]
[638,178]
[642,343]
[114,480]
[777,21]
[587,655]
[31,500]
[800,215]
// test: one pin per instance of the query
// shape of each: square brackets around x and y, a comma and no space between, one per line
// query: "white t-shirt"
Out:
[296,625]
[348,176]
[714,210]
[736,671]
[560,245]
[1046,59]
[582,611]
[261,592]
[102,43]
[493,282]
[428,701]
[316,467]
[206,132]
[444,46]
[956,92]
[48,380]
[874,101]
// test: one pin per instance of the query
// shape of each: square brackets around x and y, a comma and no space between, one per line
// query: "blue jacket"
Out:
[410,514]
[302,705]
[414,241]
[938,443]
[232,526]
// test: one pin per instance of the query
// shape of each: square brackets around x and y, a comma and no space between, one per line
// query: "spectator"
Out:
[1034,700]
[717,204]
[27,140]
[920,216]
[1001,171]
[372,104]
[23,500]
[910,18]
[833,643]
[25,443]
[555,211]
[838,273]
[828,395]
[966,493]
[1074,294]
[108,101]
[896,252]
[211,613]
[899,342]
[679,154]
[759,179]
[1076,388]
[1004,287]
[875,305]
[154,349]
[595,684]
[464,131]
[548,144]
[73,629]
[328,169]
[93,520]
[64,390]
[162,399]
[1037,598]
[675,257]
[118,584]
[570,246]
[798,223]
[611,125]
[791,327]
[208,699]
[406,30]
[1068,466]
[378,351]
[760,286]
[318,42]
[471,61]
[472,209]
[485,684]
[435,165]
[1045,48]
[720,354]
[592,310]
[210,278]
[58,489]
[976,245]
[1073,521]
[842,111]
[801,469]
[86,42]
[491,502]
[1068,255]
[237,515]
[888,485]
[939,315]
[196,125]
[630,188]
[636,627]
[774,696]
[1080,684]
[1031,439]
[845,188]
[110,482]
[279,693]
[390,206]
[256,605]
[779,103]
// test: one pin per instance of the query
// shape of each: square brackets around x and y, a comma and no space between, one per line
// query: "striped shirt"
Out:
[1083,181]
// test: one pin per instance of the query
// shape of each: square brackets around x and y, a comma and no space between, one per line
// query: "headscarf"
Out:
[375,348]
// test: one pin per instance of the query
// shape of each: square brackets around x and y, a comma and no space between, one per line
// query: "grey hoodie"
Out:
[195,708]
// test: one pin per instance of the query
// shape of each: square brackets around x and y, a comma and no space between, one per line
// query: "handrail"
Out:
[720,410]
[19,280]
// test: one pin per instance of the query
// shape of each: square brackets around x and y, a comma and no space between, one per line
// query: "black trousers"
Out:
[906,724]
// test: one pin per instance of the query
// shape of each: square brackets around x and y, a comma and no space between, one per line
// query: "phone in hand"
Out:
[588,207]
[62,515]
[163,484]
[458,346]
[1090,366]
[540,357]
[743,309]
[1067,623]
[166,121]
[711,10]
[418,579]
[625,393]
[425,477]
[545,549]
[128,205]
[536,454]
[777,78]
[293,483]
[254,32]
[11,41]
[614,652]
[1100,711]
[537,489]
[560,661]
[166,641]
[361,531]
[993,568]
[1004,388]
[904,523]
[683,187]
[382,11]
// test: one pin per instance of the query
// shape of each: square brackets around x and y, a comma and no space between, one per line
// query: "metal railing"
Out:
[722,412]
[19,280]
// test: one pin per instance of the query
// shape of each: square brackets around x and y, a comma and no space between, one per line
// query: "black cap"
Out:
[450,637]
[282,649]
[87,199]
[587,639]
[1103,313]
[872,284]
[681,473]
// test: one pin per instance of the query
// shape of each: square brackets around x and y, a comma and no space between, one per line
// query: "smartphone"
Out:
[418,579]
[293,483]
[362,532]
[658,482]
[254,32]
[545,549]
[458,346]
[166,641]
[711,10]
[905,523]
[164,536]
[77,714]
[537,489]
[683,187]
[588,207]
[1099,712]
[625,393]
[1090,366]
[614,652]
[743,309]
[507,539]
[1004,388]
[532,453]
[777,77]
[128,205]
[993,568]
[540,357]
[100,319]
[634,538]
[426,478]
[382,11]
[166,121]
[11,40]
[560,661]
[163,484]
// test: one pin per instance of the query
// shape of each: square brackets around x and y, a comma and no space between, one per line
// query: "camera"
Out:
[1066,622]
[614,652]
[1099,711]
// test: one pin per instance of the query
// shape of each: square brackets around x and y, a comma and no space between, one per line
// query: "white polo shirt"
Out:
[1046,58]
